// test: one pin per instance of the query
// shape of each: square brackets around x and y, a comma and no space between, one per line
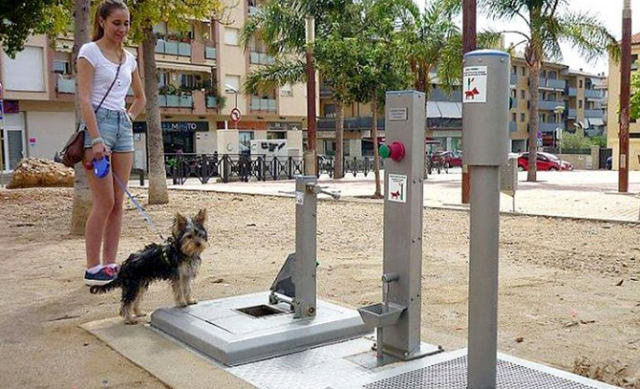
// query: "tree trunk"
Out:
[534,81]
[158,193]
[81,192]
[338,167]
[376,154]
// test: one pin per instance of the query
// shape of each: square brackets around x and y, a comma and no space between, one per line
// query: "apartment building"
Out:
[571,100]
[613,140]
[200,77]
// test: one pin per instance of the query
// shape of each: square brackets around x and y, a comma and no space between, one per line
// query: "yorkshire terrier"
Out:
[176,260]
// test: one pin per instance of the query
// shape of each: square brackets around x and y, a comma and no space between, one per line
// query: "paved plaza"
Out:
[576,194]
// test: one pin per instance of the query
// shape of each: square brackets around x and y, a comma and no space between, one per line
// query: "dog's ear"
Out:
[201,216]
[179,224]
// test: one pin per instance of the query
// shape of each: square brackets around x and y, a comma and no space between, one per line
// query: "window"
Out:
[513,117]
[330,110]
[542,118]
[522,94]
[244,139]
[524,71]
[231,36]
[61,67]
[233,82]
[163,78]
[286,90]
[522,117]
[634,62]
[553,75]
[188,81]
[580,83]
[543,74]
[26,71]
[579,103]
[514,69]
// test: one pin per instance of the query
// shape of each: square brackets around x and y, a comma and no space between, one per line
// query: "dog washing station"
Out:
[286,338]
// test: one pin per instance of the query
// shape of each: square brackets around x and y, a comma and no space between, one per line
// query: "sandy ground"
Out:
[569,290]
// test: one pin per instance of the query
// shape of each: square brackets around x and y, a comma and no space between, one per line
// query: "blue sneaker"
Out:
[103,277]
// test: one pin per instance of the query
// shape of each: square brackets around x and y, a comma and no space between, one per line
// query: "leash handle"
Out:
[144,214]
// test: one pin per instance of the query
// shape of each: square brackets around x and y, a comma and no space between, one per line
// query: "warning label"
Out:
[397,190]
[474,84]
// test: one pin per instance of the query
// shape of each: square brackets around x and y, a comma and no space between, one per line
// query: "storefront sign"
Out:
[174,126]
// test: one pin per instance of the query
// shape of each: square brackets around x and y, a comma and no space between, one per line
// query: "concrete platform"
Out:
[243,329]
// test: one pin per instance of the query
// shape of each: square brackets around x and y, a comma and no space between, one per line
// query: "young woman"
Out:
[106,71]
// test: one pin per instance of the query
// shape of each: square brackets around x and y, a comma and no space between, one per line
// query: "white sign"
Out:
[299,198]
[397,190]
[474,84]
[398,114]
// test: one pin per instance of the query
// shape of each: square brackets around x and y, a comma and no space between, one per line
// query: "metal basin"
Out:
[380,315]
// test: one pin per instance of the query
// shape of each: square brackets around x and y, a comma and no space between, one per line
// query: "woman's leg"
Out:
[121,164]
[102,205]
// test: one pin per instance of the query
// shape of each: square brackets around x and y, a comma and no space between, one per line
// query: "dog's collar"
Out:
[165,256]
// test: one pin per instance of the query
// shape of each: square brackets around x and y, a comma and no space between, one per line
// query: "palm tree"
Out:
[548,23]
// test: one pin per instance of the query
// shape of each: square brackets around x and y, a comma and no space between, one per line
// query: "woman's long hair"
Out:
[104,10]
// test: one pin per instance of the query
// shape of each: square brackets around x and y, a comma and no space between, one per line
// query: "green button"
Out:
[385,151]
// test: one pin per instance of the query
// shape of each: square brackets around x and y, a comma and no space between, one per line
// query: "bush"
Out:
[575,141]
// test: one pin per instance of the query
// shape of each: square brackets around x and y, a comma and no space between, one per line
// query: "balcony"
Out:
[182,49]
[593,113]
[175,101]
[549,105]
[66,85]
[258,104]
[212,102]
[572,114]
[552,83]
[261,59]
[513,80]
[573,92]
[593,93]
[210,52]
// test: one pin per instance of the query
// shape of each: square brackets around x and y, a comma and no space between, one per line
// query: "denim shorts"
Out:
[115,128]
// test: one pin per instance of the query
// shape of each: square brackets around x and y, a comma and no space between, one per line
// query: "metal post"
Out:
[625,95]
[310,157]
[469,13]
[485,125]
[304,271]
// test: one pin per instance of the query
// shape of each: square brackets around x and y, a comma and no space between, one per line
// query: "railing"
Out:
[593,113]
[210,52]
[66,85]
[548,127]
[513,79]
[549,105]
[175,101]
[173,48]
[593,93]
[258,104]
[572,113]
[241,167]
[212,102]
[552,83]
[261,58]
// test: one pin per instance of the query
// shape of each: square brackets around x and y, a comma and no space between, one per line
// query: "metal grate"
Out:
[452,374]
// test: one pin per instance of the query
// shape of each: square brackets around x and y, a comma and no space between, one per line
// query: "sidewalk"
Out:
[576,194]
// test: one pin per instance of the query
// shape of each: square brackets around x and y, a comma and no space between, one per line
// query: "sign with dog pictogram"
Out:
[235,115]
[474,84]
[397,190]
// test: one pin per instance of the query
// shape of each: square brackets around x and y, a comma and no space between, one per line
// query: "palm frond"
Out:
[588,35]
[272,76]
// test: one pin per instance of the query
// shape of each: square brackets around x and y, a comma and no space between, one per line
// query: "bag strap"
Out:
[110,86]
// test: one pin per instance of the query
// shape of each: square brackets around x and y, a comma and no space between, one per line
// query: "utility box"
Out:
[509,176]
[485,112]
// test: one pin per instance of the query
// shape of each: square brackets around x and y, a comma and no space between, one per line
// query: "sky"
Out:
[609,11]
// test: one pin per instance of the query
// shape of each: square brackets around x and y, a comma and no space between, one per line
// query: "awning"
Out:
[450,110]
[584,124]
[596,122]
[432,110]
[184,67]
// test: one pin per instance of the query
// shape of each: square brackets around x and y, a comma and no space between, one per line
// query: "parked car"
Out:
[449,158]
[544,162]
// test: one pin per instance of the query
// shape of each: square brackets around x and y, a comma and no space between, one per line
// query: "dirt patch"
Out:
[569,290]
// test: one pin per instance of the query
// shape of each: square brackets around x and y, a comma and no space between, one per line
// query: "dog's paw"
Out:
[192,302]
[141,314]
[130,321]
[182,304]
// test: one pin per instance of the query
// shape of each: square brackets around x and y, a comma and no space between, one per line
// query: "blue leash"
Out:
[144,213]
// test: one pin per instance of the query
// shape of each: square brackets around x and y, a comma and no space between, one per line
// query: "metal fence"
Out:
[241,167]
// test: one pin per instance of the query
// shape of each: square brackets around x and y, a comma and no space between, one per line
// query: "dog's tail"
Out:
[100,289]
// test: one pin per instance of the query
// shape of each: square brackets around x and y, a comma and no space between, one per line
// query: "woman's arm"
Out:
[85,87]
[139,98]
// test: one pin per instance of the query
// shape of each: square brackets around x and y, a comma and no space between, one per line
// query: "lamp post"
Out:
[310,156]
[625,95]
[559,110]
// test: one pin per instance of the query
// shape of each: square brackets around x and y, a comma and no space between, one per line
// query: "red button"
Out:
[397,151]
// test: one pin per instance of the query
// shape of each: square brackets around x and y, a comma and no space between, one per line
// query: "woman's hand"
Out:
[99,151]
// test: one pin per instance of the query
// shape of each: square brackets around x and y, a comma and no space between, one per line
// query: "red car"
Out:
[450,158]
[544,162]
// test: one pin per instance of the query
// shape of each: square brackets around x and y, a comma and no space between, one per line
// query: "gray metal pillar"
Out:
[403,210]
[485,117]
[304,303]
